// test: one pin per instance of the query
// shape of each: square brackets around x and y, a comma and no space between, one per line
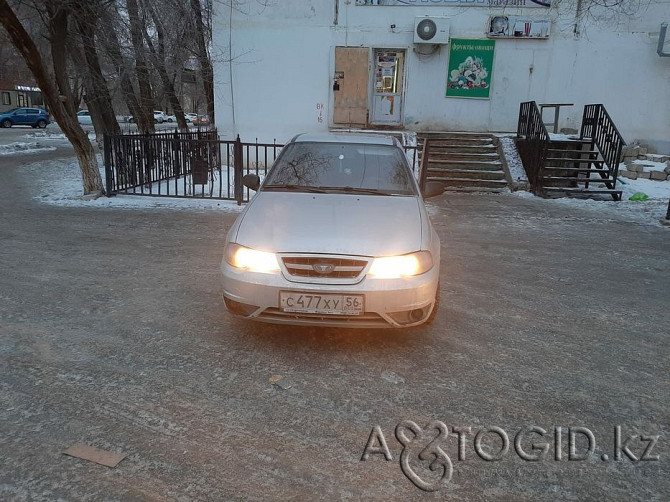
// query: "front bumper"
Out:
[402,302]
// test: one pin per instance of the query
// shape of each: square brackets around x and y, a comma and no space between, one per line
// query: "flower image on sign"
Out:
[470,68]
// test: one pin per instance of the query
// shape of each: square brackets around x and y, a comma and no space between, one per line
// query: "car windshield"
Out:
[356,168]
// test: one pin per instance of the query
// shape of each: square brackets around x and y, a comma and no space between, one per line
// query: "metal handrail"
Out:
[598,126]
[532,142]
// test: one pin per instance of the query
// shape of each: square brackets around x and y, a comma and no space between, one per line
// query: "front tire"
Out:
[6,123]
[41,124]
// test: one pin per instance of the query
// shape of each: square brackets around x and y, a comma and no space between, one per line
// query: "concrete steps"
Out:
[572,169]
[464,162]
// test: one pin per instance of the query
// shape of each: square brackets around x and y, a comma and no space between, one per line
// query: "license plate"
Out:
[314,303]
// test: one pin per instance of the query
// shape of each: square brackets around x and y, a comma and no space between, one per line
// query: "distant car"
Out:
[170,118]
[190,116]
[34,117]
[84,117]
[337,235]
[201,120]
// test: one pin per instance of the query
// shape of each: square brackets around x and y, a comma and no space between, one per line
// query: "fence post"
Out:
[107,146]
[423,173]
[238,170]
[667,215]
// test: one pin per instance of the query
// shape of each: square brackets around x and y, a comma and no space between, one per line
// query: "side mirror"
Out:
[433,189]
[251,181]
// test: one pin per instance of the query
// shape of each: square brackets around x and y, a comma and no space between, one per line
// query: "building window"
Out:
[22,100]
[6,98]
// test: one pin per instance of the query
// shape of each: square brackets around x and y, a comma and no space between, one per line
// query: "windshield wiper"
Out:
[297,188]
[367,191]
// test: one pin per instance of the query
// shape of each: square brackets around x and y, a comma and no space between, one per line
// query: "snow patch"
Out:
[513,159]
[20,148]
[58,182]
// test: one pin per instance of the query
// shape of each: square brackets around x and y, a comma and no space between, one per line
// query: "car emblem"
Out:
[323,268]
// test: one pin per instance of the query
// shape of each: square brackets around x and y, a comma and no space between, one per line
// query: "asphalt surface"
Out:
[112,334]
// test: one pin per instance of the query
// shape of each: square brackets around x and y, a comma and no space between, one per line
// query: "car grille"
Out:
[328,269]
[367,319]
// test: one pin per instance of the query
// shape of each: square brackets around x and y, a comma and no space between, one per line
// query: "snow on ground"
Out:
[514,163]
[58,182]
[52,136]
[19,148]
[650,165]
[651,211]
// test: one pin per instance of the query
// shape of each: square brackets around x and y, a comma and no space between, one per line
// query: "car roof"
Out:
[369,139]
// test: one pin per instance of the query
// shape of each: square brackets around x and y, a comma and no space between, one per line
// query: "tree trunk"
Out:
[145,120]
[113,50]
[204,59]
[98,94]
[63,113]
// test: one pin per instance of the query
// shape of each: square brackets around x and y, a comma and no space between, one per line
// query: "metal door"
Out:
[350,88]
[388,82]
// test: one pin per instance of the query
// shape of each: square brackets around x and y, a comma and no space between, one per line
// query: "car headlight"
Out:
[407,265]
[251,259]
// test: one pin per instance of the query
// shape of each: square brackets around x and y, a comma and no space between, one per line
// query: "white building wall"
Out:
[283,63]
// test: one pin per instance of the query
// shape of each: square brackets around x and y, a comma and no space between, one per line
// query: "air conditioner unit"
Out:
[431,30]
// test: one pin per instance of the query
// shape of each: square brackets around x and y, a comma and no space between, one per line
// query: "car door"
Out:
[20,116]
[32,116]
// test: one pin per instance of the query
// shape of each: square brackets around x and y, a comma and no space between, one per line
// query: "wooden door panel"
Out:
[351,100]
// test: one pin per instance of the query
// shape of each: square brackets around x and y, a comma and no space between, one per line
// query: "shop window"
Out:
[6,98]
[22,100]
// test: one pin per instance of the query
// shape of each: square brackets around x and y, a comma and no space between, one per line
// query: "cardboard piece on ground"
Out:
[96,455]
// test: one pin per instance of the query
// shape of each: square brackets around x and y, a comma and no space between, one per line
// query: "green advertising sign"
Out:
[470,68]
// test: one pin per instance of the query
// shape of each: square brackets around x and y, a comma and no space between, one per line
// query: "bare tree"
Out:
[158,57]
[202,37]
[98,99]
[55,87]
[145,119]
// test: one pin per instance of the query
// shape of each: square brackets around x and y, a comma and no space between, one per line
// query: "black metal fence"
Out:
[189,164]
[183,164]
[600,129]
[532,140]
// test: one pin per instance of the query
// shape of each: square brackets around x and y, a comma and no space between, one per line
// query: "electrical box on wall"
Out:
[431,30]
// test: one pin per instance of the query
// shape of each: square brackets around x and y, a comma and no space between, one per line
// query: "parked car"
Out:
[201,120]
[170,118]
[337,235]
[190,116]
[84,117]
[34,117]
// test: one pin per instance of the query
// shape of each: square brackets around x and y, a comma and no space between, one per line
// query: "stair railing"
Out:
[532,140]
[600,129]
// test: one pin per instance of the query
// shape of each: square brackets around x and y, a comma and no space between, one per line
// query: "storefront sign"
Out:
[458,3]
[27,88]
[470,68]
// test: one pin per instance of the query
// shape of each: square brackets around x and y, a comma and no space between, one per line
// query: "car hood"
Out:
[367,225]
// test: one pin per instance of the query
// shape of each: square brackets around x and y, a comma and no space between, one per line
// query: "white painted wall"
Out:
[283,63]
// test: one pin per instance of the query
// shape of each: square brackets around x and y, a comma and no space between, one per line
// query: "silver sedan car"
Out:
[337,235]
